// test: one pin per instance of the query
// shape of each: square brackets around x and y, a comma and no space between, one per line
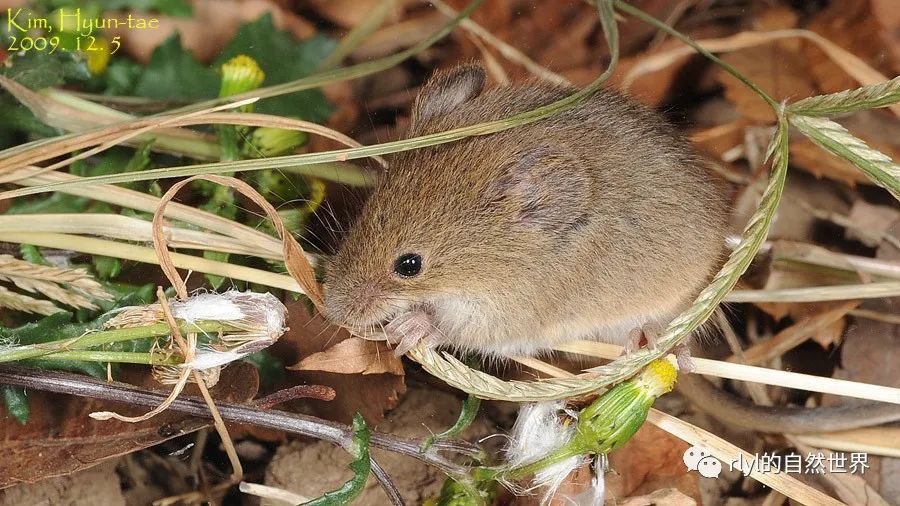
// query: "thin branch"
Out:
[296,423]
[389,488]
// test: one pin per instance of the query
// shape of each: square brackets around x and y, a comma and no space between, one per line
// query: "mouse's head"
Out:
[456,225]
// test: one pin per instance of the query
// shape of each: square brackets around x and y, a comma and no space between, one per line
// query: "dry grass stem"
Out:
[793,336]
[143,202]
[72,287]
[754,374]
[126,228]
[874,440]
[92,246]
[20,302]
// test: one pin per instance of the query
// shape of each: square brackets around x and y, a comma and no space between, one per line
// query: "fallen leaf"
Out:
[871,222]
[811,158]
[370,394]
[779,68]
[851,25]
[353,356]
[665,496]
[652,460]
[60,438]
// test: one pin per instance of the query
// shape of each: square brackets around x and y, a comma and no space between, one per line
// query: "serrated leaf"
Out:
[867,97]
[49,328]
[41,69]
[174,74]
[121,76]
[361,467]
[835,139]
[283,59]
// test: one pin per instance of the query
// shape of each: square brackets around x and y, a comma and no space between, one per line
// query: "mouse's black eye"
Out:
[408,265]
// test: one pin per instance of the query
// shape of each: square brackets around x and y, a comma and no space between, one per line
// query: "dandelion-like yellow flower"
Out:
[240,74]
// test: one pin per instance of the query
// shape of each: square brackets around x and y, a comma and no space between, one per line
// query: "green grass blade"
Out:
[833,104]
[835,139]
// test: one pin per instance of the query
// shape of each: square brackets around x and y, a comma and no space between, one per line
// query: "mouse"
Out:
[589,224]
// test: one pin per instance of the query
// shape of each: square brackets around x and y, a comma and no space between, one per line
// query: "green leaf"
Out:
[867,97]
[55,203]
[16,403]
[283,59]
[106,267]
[361,466]
[93,369]
[123,295]
[31,253]
[835,139]
[121,76]
[42,69]
[174,74]
[219,256]
[466,416]
[271,369]
[49,328]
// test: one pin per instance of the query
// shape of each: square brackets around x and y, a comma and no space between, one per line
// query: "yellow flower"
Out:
[240,74]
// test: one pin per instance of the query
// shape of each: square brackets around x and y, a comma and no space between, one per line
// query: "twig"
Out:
[295,423]
[389,488]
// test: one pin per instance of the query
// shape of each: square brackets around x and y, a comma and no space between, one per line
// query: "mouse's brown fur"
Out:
[587,224]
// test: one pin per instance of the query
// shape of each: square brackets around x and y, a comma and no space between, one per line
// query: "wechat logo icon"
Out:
[700,459]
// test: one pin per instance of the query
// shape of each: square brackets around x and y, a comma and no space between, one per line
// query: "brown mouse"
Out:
[585,225]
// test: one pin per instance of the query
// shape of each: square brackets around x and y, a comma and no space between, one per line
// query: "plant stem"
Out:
[106,337]
[121,357]
[51,381]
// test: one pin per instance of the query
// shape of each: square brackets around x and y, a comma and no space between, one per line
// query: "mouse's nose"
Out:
[351,304]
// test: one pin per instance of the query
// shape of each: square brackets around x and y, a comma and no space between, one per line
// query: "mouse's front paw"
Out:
[411,328]
[642,337]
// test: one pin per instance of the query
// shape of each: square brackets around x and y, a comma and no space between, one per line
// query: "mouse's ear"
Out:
[549,191]
[446,90]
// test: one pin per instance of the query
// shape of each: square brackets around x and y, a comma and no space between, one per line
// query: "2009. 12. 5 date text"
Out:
[51,44]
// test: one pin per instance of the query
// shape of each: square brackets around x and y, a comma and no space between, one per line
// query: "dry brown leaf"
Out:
[871,222]
[665,496]
[60,438]
[370,394]
[811,158]
[652,460]
[716,141]
[353,356]
[349,13]
[774,67]
[851,25]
